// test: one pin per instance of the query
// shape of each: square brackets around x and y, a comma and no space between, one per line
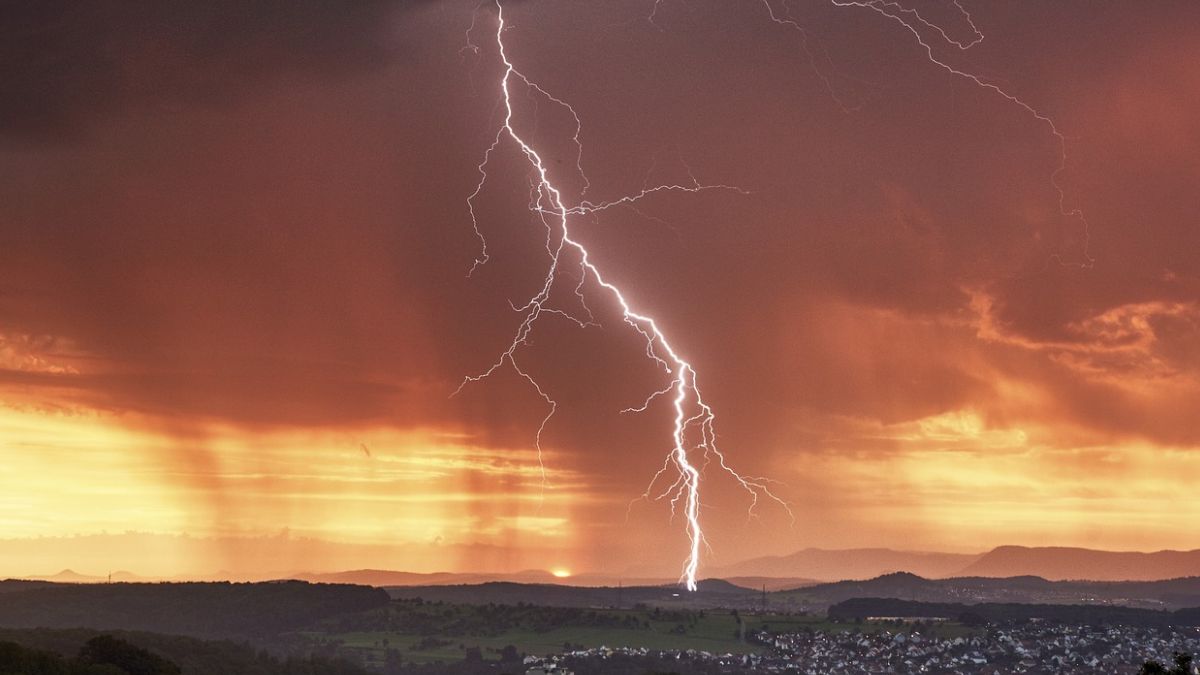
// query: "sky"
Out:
[235,305]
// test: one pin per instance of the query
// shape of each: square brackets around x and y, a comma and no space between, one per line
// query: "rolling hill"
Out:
[1081,563]
[837,565]
[1049,562]
[1165,594]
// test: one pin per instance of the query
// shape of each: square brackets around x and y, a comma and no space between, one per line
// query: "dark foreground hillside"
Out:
[220,610]
[86,652]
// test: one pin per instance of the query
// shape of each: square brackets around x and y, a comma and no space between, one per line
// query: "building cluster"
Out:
[1033,649]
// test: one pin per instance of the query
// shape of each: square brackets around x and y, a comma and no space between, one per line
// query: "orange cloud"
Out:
[81,474]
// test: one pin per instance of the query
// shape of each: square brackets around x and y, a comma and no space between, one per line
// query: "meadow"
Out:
[419,632]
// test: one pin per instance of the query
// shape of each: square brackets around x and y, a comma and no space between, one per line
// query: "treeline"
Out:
[242,610]
[101,655]
[862,608]
[44,652]
[714,593]
[17,585]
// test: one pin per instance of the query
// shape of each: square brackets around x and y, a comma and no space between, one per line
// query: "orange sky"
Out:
[235,305]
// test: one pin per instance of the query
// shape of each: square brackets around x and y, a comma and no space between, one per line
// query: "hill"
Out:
[69,576]
[190,655]
[389,578]
[1167,594]
[772,583]
[837,565]
[382,578]
[1080,563]
[199,609]
[17,585]
[372,577]
[1051,562]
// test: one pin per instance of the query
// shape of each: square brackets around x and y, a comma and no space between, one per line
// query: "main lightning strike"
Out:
[692,415]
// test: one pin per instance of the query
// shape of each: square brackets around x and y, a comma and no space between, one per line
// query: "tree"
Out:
[108,650]
[17,659]
[509,654]
[1183,666]
[972,619]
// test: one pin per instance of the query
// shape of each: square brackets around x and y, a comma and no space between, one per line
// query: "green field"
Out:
[713,631]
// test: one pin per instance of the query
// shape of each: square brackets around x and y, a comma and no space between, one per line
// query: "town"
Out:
[1035,648]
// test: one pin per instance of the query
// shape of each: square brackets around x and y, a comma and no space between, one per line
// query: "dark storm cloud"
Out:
[265,222]
[63,63]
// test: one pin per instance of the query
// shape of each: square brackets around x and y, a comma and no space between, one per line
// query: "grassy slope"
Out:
[715,632]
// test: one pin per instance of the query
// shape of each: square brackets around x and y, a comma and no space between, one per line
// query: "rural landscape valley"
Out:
[599,337]
[899,621]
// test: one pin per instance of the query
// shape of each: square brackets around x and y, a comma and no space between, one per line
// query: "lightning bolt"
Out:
[694,443]
[693,418]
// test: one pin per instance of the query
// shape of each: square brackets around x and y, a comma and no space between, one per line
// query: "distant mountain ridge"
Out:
[1061,563]
[69,576]
[1056,563]
[386,578]
[369,577]
[812,566]
[1168,594]
[839,565]
[1159,594]
[803,568]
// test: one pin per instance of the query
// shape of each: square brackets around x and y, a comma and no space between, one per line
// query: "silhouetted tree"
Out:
[509,654]
[971,619]
[108,650]
[1183,666]
[17,659]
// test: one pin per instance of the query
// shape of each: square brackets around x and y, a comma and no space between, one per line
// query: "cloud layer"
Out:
[247,221]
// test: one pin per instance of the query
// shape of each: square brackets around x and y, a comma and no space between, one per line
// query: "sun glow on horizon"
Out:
[70,476]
